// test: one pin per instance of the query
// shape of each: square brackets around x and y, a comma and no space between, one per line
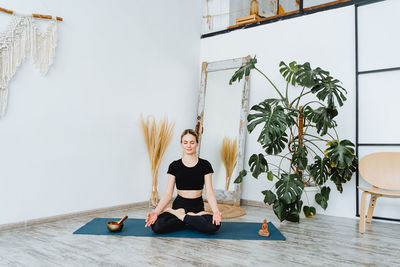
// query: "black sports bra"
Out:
[190,178]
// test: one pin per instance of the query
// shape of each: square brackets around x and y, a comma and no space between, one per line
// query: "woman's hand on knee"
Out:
[217,218]
[151,218]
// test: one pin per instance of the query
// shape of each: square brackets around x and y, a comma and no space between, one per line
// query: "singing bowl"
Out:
[114,227]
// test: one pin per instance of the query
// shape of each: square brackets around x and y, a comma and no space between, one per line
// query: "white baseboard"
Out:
[28,223]
[254,203]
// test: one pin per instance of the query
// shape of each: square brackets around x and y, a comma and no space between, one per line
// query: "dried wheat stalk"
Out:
[228,156]
[157,138]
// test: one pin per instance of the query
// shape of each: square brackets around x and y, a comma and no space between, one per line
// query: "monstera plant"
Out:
[295,130]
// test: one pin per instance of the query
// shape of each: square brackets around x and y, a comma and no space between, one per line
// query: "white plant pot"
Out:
[308,198]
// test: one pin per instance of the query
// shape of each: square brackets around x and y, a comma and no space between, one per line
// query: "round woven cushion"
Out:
[228,211]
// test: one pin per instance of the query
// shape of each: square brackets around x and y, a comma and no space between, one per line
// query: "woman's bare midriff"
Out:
[190,193]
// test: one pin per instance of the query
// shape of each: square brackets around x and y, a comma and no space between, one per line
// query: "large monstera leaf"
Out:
[340,153]
[286,211]
[258,164]
[289,188]
[329,88]
[244,70]
[289,72]
[294,210]
[341,176]
[322,117]
[303,74]
[323,197]
[308,77]
[319,170]
[274,122]
[280,209]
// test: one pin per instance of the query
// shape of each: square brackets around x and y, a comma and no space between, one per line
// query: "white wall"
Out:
[71,141]
[324,39]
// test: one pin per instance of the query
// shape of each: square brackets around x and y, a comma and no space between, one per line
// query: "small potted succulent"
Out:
[295,130]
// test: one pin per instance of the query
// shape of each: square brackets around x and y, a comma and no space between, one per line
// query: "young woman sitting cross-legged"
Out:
[189,173]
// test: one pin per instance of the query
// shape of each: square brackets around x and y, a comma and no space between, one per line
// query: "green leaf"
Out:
[341,176]
[329,88]
[258,164]
[239,179]
[308,77]
[286,211]
[270,176]
[273,102]
[319,170]
[274,124]
[322,117]
[280,209]
[244,70]
[289,72]
[269,197]
[321,201]
[293,216]
[323,197]
[309,212]
[293,211]
[340,154]
[289,188]
[298,204]
[299,158]
[325,192]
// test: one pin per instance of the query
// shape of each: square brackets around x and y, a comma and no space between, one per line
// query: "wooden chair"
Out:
[382,171]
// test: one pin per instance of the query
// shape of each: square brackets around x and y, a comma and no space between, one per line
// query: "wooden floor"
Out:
[321,241]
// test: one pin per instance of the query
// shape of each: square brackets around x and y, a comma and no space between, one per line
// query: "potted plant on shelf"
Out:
[294,129]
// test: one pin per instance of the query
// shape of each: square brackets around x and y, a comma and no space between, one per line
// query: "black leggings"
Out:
[167,222]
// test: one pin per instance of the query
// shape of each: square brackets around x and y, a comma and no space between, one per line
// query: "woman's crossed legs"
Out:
[176,219]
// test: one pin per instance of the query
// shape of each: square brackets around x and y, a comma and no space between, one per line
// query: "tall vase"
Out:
[154,191]
[227,182]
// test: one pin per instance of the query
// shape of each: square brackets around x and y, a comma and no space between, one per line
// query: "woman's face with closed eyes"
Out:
[189,144]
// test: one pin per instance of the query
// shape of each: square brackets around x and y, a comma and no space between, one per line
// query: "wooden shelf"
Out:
[255,19]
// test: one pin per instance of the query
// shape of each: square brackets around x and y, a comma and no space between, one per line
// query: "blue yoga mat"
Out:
[228,230]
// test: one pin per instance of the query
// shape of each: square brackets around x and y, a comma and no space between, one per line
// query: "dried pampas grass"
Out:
[157,138]
[228,156]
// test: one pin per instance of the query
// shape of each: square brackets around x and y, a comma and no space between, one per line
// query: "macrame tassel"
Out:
[3,101]
[44,47]
[21,39]
[13,50]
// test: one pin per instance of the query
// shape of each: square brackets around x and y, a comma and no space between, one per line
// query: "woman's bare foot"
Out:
[199,213]
[179,213]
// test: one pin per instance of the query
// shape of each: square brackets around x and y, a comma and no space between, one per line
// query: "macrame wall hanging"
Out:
[23,39]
